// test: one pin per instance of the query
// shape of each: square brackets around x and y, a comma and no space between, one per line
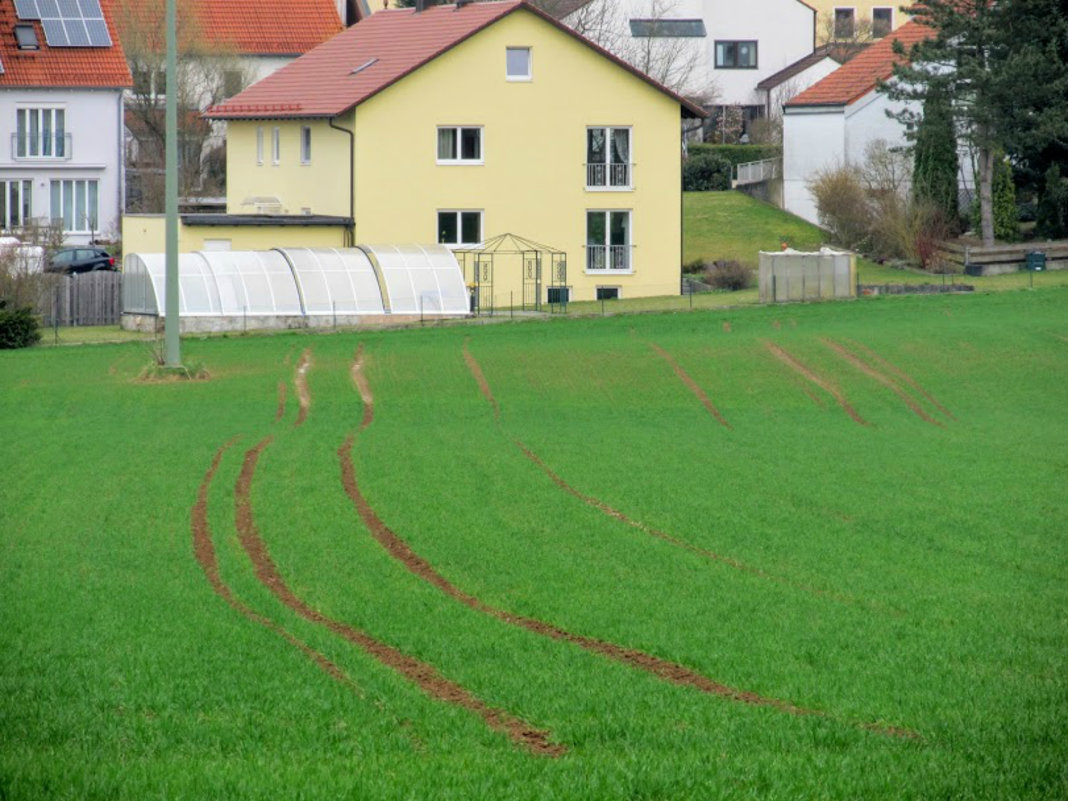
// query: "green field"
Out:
[772,553]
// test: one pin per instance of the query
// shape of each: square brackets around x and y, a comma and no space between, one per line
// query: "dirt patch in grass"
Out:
[300,381]
[885,380]
[359,380]
[825,384]
[420,673]
[690,383]
[204,552]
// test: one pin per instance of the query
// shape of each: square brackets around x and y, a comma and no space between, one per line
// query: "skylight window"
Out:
[26,37]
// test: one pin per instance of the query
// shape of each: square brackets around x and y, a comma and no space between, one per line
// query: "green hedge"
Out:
[738,154]
[18,327]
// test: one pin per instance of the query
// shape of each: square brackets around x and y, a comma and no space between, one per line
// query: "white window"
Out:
[16,203]
[844,23]
[259,144]
[608,243]
[517,63]
[276,145]
[40,133]
[76,204]
[736,55]
[305,145]
[882,22]
[459,227]
[459,145]
[608,164]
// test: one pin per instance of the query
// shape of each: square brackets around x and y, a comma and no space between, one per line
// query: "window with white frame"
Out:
[608,164]
[517,63]
[457,227]
[16,203]
[882,22]
[736,55]
[459,144]
[305,145]
[76,204]
[259,144]
[608,245]
[276,145]
[41,133]
[844,23]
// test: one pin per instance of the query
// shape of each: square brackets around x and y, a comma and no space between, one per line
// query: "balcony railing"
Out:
[608,257]
[754,172]
[608,176]
[42,146]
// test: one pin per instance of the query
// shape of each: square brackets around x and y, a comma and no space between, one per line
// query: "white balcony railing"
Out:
[753,172]
[608,257]
[42,146]
[608,176]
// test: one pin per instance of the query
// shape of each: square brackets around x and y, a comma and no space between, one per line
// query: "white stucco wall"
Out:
[783,29]
[813,139]
[93,118]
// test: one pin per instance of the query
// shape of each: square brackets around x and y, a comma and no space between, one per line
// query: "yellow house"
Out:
[856,19]
[460,124]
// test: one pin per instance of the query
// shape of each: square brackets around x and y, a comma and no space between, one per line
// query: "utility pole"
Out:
[172,344]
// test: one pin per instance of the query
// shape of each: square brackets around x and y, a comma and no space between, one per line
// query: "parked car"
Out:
[72,261]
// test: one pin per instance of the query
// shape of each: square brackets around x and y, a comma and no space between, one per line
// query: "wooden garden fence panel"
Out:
[87,299]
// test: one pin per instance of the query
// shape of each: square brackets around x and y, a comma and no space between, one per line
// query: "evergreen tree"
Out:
[935,163]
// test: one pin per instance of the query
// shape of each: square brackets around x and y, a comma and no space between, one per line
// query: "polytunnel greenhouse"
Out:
[295,287]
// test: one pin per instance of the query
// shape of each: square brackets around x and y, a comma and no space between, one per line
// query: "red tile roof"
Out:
[66,67]
[242,27]
[860,75]
[377,52]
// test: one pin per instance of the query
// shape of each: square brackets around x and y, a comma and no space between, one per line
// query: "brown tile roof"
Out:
[377,52]
[861,74]
[66,67]
[241,27]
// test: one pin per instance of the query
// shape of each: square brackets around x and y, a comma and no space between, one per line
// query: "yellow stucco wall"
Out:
[321,185]
[145,233]
[533,180]
[861,14]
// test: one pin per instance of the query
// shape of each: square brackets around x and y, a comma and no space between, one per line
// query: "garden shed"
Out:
[294,287]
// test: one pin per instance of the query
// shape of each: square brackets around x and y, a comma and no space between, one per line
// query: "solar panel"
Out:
[72,23]
[27,9]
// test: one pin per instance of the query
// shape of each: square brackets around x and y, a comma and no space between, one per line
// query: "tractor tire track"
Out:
[281,410]
[204,552]
[664,669]
[896,371]
[883,379]
[480,379]
[418,672]
[826,385]
[690,383]
[300,381]
[601,506]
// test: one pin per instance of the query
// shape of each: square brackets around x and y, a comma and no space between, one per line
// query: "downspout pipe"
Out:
[351,234]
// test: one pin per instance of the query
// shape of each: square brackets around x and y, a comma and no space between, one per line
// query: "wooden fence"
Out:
[88,299]
[999,259]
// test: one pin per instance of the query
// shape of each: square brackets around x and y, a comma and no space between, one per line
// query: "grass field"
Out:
[773,553]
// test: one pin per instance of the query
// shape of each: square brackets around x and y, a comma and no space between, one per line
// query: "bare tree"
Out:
[207,74]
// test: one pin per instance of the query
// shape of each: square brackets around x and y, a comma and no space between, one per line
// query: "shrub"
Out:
[1006,221]
[843,206]
[738,154]
[18,327]
[728,275]
[704,172]
[1052,210]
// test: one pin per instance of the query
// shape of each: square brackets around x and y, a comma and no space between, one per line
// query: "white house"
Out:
[61,118]
[833,122]
[734,45]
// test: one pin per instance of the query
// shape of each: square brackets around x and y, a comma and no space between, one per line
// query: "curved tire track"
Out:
[691,384]
[894,370]
[825,384]
[300,380]
[204,552]
[664,669]
[420,673]
[885,380]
